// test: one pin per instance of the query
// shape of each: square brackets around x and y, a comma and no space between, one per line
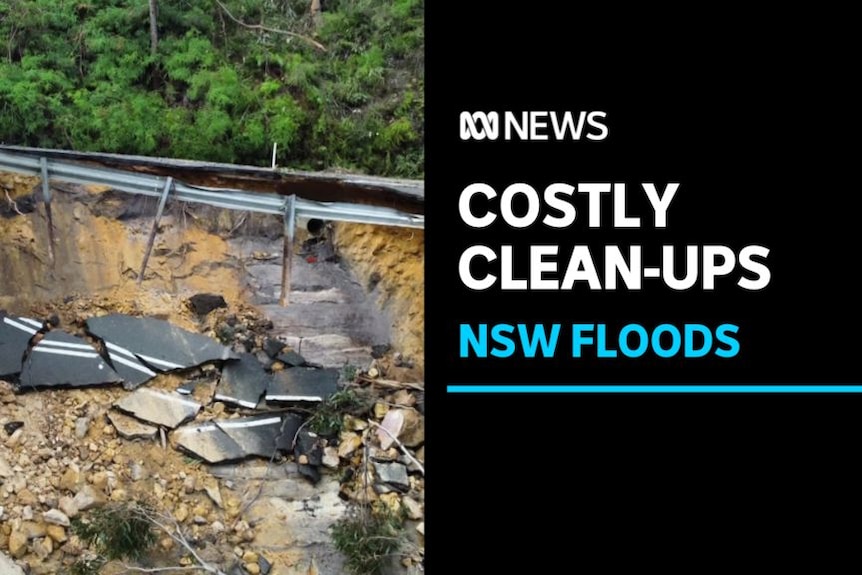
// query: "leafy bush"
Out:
[117,531]
[367,538]
[328,418]
[80,75]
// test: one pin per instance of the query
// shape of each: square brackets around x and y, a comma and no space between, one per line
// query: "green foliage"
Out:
[329,415]
[367,538]
[87,566]
[117,531]
[80,75]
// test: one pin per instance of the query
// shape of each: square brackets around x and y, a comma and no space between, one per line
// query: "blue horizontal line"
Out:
[806,388]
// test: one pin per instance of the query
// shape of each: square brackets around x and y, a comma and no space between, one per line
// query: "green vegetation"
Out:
[328,417]
[80,75]
[368,538]
[117,531]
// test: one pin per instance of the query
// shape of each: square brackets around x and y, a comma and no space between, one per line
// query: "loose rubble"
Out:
[249,398]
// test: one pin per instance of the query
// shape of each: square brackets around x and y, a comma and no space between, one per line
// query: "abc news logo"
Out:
[532,126]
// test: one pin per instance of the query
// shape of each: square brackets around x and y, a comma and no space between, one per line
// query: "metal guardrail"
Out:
[153,186]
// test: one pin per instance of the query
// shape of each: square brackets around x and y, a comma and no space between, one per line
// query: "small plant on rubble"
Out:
[329,415]
[368,537]
[119,531]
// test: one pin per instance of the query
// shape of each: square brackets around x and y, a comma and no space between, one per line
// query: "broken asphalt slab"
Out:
[61,359]
[232,439]
[243,382]
[303,384]
[167,409]
[154,343]
[15,335]
[130,428]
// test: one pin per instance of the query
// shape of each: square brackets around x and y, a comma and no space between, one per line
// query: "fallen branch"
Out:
[175,532]
[400,445]
[13,204]
[133,569]
[390,383]
[262,28]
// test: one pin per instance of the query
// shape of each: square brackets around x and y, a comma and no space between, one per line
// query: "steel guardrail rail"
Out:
[150,185]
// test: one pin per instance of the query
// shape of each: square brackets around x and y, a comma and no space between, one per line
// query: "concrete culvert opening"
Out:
[357,304]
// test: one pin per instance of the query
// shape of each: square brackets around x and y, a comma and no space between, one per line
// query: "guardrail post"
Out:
[46,196]
[287,258]
[169,183]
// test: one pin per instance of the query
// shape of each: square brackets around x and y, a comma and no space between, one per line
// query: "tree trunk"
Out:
[154,32]
[315,10]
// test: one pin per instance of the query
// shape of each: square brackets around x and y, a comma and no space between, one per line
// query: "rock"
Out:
[393,422]
[404,397]
[26,497]
[87,498]
[82,426]
[119,495]
[130,428]
[14,439]
[392,502]
[352,423]
[166,543]
[379,350]
[71,478]
[394,474]
[12,427]
[181,513]
[43,547]
[414,509]
[217,527]
[17,544]
[32,530]
[56,517]
[330,457]
[272,347]
[199,520]
[100,480]
[167,409]
[373,373]
[380,410]
[204,303]
[5,469]
[190,484]
[57,533]
[67,505]
[378,454]
[252,568]
[137,472]
[213,491]
[349,443]
[413,433]
[420,454]
[8,567]
[421,528]
[310,472]
[250,557]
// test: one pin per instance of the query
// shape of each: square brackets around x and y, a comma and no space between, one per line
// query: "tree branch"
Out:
[314,43]
[133,569]
[176,534]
